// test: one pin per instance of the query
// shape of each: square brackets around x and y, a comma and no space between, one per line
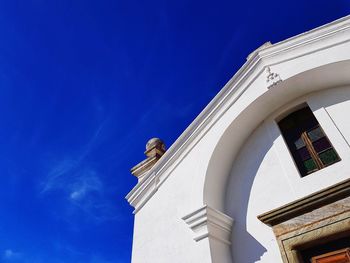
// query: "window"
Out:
[308,144]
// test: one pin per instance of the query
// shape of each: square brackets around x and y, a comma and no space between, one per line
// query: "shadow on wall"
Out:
[245,248]
[252,160]
[333,96]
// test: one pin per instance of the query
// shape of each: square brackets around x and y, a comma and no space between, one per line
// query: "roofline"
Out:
[151,182]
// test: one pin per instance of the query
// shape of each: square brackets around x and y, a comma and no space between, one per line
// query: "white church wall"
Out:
[255,181]
[197,169]
[257,101]
[336,103]
[265,177]
[162,235]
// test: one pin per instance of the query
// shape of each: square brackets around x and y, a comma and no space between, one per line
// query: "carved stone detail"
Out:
[272,79]
[307,204]
[309,221]
[155,148]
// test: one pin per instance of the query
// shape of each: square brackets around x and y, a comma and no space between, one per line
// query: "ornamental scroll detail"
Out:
[272,79]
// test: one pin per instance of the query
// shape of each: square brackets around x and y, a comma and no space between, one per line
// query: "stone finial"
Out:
[155,148]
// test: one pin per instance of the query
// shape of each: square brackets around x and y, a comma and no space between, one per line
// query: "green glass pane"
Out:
[310,165]
[328,157]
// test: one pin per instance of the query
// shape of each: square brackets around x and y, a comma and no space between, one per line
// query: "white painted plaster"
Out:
[233,159]
[265,177]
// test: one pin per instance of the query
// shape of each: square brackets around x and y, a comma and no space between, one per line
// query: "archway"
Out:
[235,135]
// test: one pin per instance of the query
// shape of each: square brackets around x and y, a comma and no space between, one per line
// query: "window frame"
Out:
[308,143]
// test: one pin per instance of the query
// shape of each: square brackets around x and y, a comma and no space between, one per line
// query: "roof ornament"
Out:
[155,148]
[272,79]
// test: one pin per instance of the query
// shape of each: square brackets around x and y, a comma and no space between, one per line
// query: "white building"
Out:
[263,173]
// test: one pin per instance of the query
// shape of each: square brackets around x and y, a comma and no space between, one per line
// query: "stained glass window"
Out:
[307,142]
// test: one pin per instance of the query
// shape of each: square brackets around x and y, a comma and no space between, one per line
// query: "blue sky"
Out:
[83,86]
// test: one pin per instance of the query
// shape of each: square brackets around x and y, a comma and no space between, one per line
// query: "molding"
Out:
[207,222]
[232,90]
[309,235]
[306,204]
[143,167]
[265,45]
[138,198]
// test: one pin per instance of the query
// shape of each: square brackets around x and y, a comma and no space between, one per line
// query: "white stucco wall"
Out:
[233,159]
[265,177]
[160,233]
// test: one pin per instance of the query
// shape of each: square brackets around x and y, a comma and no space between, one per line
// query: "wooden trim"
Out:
[311,149]
[339,256]
[306,204]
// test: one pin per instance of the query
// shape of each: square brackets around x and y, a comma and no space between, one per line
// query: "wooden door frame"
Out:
[344,251]
[315,219]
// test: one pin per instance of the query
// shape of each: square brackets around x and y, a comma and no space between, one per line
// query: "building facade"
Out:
[263,173]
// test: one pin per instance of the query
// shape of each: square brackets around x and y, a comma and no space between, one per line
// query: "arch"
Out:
[237,132]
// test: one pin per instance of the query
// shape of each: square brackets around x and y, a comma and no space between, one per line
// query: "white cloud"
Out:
[80,185]
[86,184]
[82,190]
[76,195]
[57,175]
[76,182]
[9,254]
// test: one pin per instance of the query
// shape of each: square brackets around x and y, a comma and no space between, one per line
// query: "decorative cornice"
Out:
[251,69]
[144,166]
[272,79]
[209,223]
[265,45]
[307,204]
[138,198]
